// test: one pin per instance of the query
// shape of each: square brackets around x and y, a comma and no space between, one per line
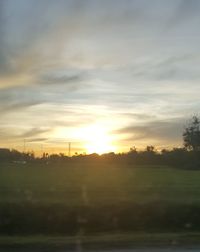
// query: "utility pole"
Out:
[69,149]
[24,146]
[41,150]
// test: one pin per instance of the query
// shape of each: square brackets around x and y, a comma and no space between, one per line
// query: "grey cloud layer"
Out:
[154,131]
[76,29]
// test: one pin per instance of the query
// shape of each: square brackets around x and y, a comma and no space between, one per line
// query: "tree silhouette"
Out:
[191,134]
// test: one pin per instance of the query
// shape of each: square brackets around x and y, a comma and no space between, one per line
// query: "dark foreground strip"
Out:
[114,242]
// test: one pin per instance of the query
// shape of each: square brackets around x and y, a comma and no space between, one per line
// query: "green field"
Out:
[78,184]
[89,198]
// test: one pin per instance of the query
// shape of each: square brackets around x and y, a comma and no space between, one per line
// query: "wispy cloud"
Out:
[37,140]
[154,132]
[34,132]
[184,11]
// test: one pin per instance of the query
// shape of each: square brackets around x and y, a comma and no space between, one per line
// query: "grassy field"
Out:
[87,198]
[77,184]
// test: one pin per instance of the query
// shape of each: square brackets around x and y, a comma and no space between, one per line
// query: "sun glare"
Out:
[94,138]
[97,140]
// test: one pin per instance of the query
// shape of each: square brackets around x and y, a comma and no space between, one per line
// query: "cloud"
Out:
[16,106]
[41,37]
[55,55]
[185,11]
[36,140]
[17,99]
[53,89]
[29,44]
[35,132]
[68,77]
[175,67]
[37,36]
[30,135]
[158,130]
[138,116]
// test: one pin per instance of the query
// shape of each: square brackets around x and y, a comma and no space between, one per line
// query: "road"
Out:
[112,250]
[150,250]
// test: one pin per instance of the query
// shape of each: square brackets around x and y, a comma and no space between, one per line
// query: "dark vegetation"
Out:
[186,158]
[178,157]
[86,194]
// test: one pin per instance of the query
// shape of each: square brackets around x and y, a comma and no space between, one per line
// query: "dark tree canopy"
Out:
[191,134]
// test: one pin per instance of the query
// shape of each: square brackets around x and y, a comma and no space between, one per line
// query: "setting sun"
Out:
[97,140]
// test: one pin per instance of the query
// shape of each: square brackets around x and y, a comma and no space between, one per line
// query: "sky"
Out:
[104,75]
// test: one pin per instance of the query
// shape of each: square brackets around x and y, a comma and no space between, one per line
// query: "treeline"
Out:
[186,157]
[179,157]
